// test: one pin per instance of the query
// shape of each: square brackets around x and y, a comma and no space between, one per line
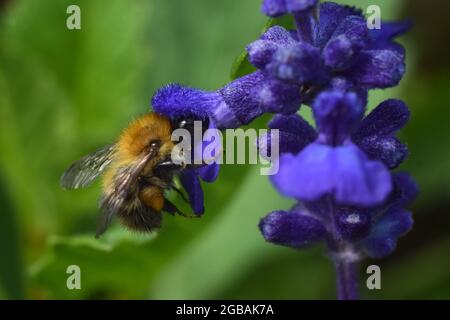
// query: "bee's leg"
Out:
[169,165]
[195,165]
[170,208]
[177,190]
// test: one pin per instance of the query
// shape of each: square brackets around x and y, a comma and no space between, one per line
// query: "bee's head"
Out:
[151,132]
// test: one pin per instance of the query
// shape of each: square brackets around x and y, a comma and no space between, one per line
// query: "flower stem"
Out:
[345,261]
[347,280]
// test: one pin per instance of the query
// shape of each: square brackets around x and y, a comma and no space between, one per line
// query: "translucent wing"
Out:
[124,193]
[81,173]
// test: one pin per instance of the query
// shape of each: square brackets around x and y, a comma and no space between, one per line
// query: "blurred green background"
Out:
[65,93]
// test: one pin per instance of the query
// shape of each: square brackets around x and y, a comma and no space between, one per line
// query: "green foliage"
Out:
[11,271]
[118,266]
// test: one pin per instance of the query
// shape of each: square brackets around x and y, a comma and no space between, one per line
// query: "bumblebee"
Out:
[136,172]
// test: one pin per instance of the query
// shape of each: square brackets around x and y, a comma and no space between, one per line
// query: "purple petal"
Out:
[224,117]
[386,231]
[352,224]
[354,27]
[387,149]
[339,53]
[405,190]
[209,173]
[261,52]
[378,69]
[276,96]
[275,8]
[239,97]
[175,101]
[360,181]
[343,84]
[346,42]
[292,229]
[191,184]
[299,5]
[294,134]
[252,95]
[331,16]
[294,125]
[213,143]
[279,36]
[384,38]
[300,64]
[344,172]
[320,208]
[386,119]
[337,114]
[307,27]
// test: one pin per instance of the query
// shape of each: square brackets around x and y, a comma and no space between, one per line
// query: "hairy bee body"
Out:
[137,170]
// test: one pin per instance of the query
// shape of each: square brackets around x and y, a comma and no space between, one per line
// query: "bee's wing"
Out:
[124,185]
[81,173]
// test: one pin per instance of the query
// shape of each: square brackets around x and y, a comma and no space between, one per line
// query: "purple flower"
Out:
[296,228]
[337,44]
[191,183]
[339,175]
[232,106]
[190,178]
[338,172]
[371,232]
[374,135]
[275,8]
[391,221]
[333,160]
[179,103]
[344,172]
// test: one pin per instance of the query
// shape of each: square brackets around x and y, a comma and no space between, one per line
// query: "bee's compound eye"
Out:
[182,123]
[154,144]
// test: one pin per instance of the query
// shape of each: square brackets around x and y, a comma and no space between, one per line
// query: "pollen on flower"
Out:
[353,218]
[266,94]
[348,255]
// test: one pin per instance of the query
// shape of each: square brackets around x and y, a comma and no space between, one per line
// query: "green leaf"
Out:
[12,282]
[115,266]
[241,65]
[417,275]
[64,94]
[231,245]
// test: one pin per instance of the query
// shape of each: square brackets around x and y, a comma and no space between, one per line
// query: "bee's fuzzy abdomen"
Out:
[141,218]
